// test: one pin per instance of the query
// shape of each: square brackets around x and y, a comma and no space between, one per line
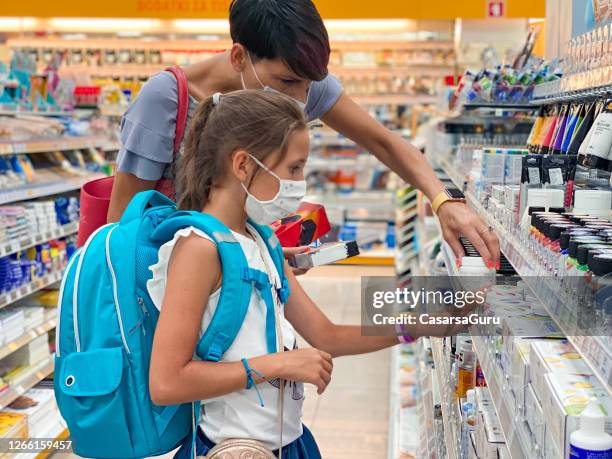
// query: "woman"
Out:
[279,46]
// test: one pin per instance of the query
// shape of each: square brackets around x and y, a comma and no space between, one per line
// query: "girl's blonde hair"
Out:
[256,121]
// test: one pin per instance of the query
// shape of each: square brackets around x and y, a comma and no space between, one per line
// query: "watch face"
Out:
[454,193]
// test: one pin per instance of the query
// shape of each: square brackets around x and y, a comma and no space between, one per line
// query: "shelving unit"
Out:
[33,287]
[394,406]
[26,242]
[58,144]
[30,378]
[591,348]
[41,190]
[30,335]
[446,397]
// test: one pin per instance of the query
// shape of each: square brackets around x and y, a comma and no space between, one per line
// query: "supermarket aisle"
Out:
[351,418]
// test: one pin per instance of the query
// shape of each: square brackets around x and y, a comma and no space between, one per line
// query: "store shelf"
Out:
[513,428]
[402,71]
[446,397]
[50,145]
[394,405]
[30,378]
[26,242]
[498,106]
[215,45]
[5,112]
[374,257]
[591,348]
[32,287]
[395,99]
[30,335]
[553,92]
[34,191]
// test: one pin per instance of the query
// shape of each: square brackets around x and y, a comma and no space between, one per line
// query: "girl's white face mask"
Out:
[286,202]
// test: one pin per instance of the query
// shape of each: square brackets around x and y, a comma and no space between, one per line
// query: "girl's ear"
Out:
[238,57]
[242,166]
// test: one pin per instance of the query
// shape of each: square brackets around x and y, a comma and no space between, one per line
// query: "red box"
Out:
[304,227]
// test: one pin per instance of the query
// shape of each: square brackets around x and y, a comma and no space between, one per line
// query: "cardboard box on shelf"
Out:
[12,425]
[489,435]
[550,356]
[564,398]
[40,407]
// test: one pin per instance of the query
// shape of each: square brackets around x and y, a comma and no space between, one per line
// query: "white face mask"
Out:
[301,104]
[286,202]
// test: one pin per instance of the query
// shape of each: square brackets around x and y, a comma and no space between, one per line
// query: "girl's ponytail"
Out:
[257,121]
[194,183]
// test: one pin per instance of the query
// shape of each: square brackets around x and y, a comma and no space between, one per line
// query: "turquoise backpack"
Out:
[106,323]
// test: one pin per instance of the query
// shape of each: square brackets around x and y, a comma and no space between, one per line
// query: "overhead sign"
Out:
[330,9]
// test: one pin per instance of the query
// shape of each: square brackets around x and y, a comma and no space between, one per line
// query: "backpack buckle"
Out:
[215,351]
[259,278]
[284,291]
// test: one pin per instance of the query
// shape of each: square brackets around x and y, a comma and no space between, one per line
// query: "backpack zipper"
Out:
[75,255]
[145,312]
[115,296]
[75,293]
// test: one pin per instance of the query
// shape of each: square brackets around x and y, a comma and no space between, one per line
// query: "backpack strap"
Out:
[276,253]
[141,202]
[183,106]
[235,288]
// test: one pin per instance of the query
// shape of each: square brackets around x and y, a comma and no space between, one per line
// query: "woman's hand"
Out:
[309,366]
[291,251]
[457,219]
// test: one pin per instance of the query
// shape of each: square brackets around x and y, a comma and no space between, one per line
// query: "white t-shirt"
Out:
[239,414]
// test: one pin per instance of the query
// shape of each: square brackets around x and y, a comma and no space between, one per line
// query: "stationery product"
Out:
[325,254]
[307,225]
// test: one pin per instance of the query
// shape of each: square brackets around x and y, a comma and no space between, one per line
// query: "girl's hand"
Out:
[291,251]
[309,366]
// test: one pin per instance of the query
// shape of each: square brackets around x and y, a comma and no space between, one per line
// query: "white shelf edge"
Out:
[35,191]
[40,238]
[26,290]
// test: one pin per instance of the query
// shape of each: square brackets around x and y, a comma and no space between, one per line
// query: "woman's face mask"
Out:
[286,202]
[301,104]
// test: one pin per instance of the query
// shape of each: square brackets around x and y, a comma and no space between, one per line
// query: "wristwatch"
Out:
[448,195]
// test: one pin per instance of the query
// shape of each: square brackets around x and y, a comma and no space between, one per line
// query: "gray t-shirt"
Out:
[147,128]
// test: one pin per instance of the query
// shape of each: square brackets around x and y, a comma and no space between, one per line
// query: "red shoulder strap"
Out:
[183,106]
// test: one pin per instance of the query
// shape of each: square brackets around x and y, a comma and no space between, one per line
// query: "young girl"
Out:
[244,159]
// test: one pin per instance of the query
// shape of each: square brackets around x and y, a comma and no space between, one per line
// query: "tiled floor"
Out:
[350,420]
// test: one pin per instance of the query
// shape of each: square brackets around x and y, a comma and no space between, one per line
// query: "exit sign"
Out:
[496,8]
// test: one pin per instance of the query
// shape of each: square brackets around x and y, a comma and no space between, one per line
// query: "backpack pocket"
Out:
[95,402]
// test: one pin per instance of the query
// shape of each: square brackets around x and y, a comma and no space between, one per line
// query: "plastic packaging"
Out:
[591,441]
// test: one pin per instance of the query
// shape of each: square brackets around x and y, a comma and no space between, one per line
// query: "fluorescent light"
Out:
[369,25]
[102,24]
[201,25]
[129,34]
[15,24]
